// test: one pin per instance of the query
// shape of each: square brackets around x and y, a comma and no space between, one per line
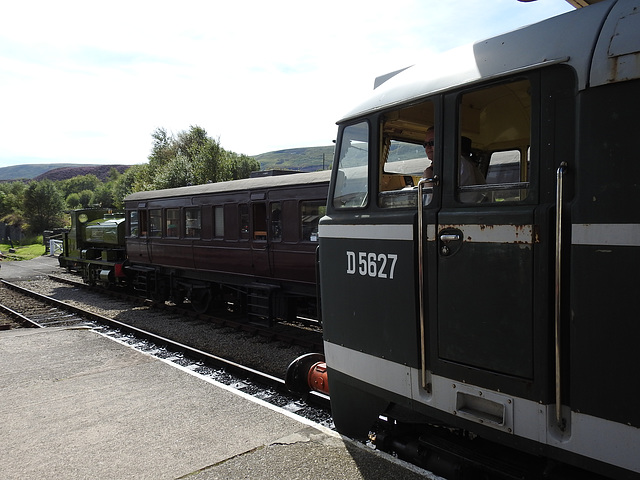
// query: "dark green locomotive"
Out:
[95,246]
[490,325]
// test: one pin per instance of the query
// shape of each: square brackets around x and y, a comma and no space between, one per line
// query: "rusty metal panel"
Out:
[520,234]
[617,55]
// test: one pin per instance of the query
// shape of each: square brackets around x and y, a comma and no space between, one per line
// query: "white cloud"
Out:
[87,82]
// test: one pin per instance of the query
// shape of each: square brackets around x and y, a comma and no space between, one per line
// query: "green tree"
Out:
[191,142]
[163,149]
[113,174]
[189,158]
[208,160]
[11,202]
[241,166]
[176,173]
[129,182]
[79,183]
[86,198]
[43,206]
[104,196]
[73,201]
[12,198]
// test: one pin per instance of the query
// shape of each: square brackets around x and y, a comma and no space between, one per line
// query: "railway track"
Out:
[306,333]
[36,310]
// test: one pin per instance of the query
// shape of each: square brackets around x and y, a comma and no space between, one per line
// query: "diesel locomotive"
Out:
[249,244]
[492,326]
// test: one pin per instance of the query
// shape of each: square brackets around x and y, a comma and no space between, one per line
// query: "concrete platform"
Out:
[77,405]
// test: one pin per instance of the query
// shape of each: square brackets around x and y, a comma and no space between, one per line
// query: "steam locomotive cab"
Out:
[94,245]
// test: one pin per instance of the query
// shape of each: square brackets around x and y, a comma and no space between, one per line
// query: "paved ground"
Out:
[14,271]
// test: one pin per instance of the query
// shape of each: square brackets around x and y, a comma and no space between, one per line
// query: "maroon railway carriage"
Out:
[248,243]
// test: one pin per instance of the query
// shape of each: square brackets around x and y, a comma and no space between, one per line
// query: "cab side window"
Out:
[404,159]
[351,186]
[494,143]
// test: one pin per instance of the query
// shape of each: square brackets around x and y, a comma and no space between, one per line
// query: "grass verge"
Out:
[21,252]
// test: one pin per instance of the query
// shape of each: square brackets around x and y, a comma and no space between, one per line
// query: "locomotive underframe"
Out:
[93,269]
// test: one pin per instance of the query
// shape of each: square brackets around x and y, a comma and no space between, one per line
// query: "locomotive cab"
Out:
[473,306]
[94,245]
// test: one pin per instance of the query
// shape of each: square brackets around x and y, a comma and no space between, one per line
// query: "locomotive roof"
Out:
[571,38]
[235,185]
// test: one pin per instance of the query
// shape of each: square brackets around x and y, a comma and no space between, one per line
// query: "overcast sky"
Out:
[88,82]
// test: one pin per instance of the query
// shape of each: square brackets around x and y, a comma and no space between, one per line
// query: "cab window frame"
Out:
[355,174]
[516,192]
[402,158]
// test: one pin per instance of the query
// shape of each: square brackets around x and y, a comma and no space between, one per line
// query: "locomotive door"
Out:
[493,237]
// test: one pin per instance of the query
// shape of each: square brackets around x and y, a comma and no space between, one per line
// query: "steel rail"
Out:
[268,333]
[21,318]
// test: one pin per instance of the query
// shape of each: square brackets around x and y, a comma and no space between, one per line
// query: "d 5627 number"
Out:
[379,265]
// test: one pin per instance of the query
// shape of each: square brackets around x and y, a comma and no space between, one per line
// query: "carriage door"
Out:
[487,235]
[259,236]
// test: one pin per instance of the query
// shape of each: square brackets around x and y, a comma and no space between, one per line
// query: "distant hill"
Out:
[56,171]
[306,159]
[65,173]
[29,171]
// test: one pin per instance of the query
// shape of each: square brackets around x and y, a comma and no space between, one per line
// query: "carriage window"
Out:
[172,216]
[311,212]
[155,223]
[276,221]
[218,221]
[495,137]
[259,221]
[133,223]
[244,221]
[192,222]
[143,222]
[353,168]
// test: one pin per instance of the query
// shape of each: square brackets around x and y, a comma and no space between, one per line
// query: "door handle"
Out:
[450,241]
[450,237]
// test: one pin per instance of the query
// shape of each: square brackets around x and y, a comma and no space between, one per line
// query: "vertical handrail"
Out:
[423,346]
[558,279]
